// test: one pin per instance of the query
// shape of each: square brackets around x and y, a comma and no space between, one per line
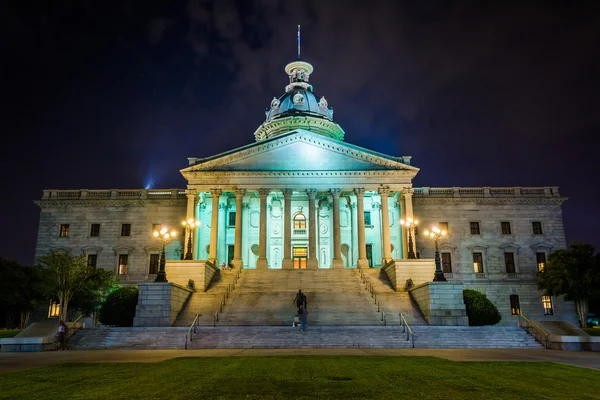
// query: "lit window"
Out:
[541,260]
[505,228]
[92,260]
[509,262]
[299,221]
[367,218]
[478,263]
[474,228]
[95,230]
[153,267]
[64,230]
[123,259]
[547,303]
[537,227]
[446,263]
[300,254]
[126,230]
[443,226]
[515,308]
[54,309]
[232,218]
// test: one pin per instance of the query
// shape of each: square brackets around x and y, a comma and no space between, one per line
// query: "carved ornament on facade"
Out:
[274,103]
[298,99]
[323,102]
[384,191]
[376,206]
[490,201]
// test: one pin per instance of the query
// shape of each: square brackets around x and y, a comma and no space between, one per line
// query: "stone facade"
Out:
[441,303]
[159,303]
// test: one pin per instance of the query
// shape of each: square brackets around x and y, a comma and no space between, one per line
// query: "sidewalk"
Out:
[10,362]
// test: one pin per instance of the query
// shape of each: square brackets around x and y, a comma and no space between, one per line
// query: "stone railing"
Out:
[125,194]
[518,191]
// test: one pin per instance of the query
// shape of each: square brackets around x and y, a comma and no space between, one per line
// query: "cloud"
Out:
[156,28]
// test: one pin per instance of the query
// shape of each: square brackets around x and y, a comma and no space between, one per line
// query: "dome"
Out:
[299,108]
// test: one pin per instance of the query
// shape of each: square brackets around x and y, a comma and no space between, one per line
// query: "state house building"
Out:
[302,197]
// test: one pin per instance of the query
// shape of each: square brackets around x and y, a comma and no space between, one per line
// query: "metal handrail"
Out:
[190,333]
[73,323]
[406,328]
[541,333]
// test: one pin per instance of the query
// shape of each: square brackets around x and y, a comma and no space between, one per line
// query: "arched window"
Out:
[299,221]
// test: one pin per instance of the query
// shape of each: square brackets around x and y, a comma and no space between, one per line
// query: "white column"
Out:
[312,262]
[214,226]
[237,250]
[287,230]
[337,245]
[354,232]
[262,262]
[385,225]
[360,211]
[408,213]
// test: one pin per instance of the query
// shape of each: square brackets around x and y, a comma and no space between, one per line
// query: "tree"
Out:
[67,275]
[574,274]
[119,307]
[480,310]
[92,293]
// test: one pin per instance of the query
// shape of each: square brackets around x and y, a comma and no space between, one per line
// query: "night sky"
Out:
[100,94]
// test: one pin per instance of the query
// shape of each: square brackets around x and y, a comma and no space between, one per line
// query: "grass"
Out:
[592,331]
[9,333]
[333,377]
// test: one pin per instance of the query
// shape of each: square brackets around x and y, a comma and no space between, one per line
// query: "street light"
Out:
[409,224]
[165,237]
[190,225]
[435,235]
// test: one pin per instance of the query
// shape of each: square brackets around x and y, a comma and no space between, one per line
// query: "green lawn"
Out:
[8,334]
[304,377]
[592,331]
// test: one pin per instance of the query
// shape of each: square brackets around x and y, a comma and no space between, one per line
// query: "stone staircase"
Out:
[248,337]
[392,302]
[206,303]
[335,298]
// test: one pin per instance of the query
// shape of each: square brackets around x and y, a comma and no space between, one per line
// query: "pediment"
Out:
[300,151]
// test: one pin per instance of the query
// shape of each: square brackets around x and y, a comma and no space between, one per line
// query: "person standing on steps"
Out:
[303,317]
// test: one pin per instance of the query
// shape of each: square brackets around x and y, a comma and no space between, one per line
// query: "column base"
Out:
[287,263]
[337,263]
[237,263]
[262,263]
[312,263]
[363,263]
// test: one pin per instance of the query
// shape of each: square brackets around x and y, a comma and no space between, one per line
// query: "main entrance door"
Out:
[370,255]
[229,254]
[300,255]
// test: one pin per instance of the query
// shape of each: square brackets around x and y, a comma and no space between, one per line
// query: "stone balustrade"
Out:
[517,191]
[125,194]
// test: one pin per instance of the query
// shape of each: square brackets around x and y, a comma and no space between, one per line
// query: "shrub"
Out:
[119,307]
[480,310]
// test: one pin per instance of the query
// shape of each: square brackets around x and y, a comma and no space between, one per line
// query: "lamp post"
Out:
[190,225]
[165,237]
[409,224]
[435,234]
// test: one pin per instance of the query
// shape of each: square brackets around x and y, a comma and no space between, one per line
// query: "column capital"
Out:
[263,193]
[191,192]
[335,193]
[408,192]
[359,192]
[216,192]
[384,191]
[287,193]
[240,192]
[312,193]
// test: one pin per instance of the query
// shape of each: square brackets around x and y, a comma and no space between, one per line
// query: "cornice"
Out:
[303,174]
[555,201]
[109,202]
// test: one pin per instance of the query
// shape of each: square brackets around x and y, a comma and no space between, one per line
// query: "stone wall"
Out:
[441,303]
[181,272]
[159,303]
[400,271]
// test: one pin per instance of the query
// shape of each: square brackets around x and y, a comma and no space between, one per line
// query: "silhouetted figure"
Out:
[303,317]
[300,300]
[62,335]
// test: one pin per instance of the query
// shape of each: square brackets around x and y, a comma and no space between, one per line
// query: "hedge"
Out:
[119,307]
[480,310]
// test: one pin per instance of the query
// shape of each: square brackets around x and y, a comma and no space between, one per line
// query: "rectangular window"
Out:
[367,218]
[92,260]
[537,227]
[515,308]
[95,230]
[509,262]
[126,230]
[232,218]
[505,227]
[64,230]
[541,260]
[153,267]
[478,263]
[123,259]
[474,228]
[547,303]
[54,309]
[446,263]
[443,226]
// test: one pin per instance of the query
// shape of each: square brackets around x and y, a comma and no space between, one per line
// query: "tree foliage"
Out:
[573,273]
[480,310]
[67,275]
[119,307]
